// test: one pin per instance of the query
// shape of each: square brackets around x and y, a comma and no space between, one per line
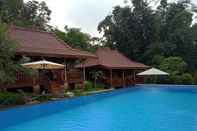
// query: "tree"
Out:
[145,34]
[174,64]
[75,38]
[31,13]
[131,30]
[176,67]
[176,33]
[8,67]
[9,64]
[10,10]
[96,75]
[186,78]
[195,78]
[37,14]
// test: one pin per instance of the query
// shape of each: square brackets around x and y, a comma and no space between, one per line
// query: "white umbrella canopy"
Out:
[43,64]
[152,72]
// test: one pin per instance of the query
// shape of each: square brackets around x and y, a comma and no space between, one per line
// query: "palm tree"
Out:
[96,75]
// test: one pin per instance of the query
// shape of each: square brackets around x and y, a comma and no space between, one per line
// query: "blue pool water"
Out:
[142,108]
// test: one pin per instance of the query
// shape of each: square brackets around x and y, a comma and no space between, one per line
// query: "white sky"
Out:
[84,14]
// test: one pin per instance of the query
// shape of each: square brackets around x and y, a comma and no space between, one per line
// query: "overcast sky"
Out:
[84,14]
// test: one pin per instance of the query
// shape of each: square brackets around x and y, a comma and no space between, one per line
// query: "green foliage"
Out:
[37,14]
[78,92]
[157,59]
[150,35]
[176,67]
[96,74]
[10,10]
[186,78]
[173,65]
[88,86]
[8,98]
[130,29]
[141,32]
[8,67]
[44,98]
[31,13]
[77,39]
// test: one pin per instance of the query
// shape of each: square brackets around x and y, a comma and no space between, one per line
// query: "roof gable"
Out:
[35,42]
[112,59]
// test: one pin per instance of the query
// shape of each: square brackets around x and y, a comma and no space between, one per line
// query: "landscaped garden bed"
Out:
[12,99]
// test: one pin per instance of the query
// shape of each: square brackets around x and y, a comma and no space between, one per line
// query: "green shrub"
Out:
[186,78]
[100,86]
[195,78]
[88,86]
[78,86]
[9,98]
[176,79]
[78,92]
[43,98]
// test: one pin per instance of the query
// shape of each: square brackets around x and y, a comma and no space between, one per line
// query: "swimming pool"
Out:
[144,107]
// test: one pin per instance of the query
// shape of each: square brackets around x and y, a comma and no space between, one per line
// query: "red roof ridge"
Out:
[40,31]
[32,47]
[51,33]
[53,43]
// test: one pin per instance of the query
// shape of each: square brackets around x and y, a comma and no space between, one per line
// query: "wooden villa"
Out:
[118,70]
[39,45]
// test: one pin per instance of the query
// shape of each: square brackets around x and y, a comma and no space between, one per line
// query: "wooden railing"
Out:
[22,80]
[73,77]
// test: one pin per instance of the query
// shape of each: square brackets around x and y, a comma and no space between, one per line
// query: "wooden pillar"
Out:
[111,78]
[65,76]
[84,74]
[123,78]
[65,71]
[134,79]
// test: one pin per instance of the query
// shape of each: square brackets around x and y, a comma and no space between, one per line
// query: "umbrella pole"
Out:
[36,86]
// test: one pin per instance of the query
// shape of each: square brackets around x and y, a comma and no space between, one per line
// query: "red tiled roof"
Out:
[112,59]
[40,43]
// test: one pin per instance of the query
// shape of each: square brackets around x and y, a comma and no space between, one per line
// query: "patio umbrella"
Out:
[43,65]
[152,72]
